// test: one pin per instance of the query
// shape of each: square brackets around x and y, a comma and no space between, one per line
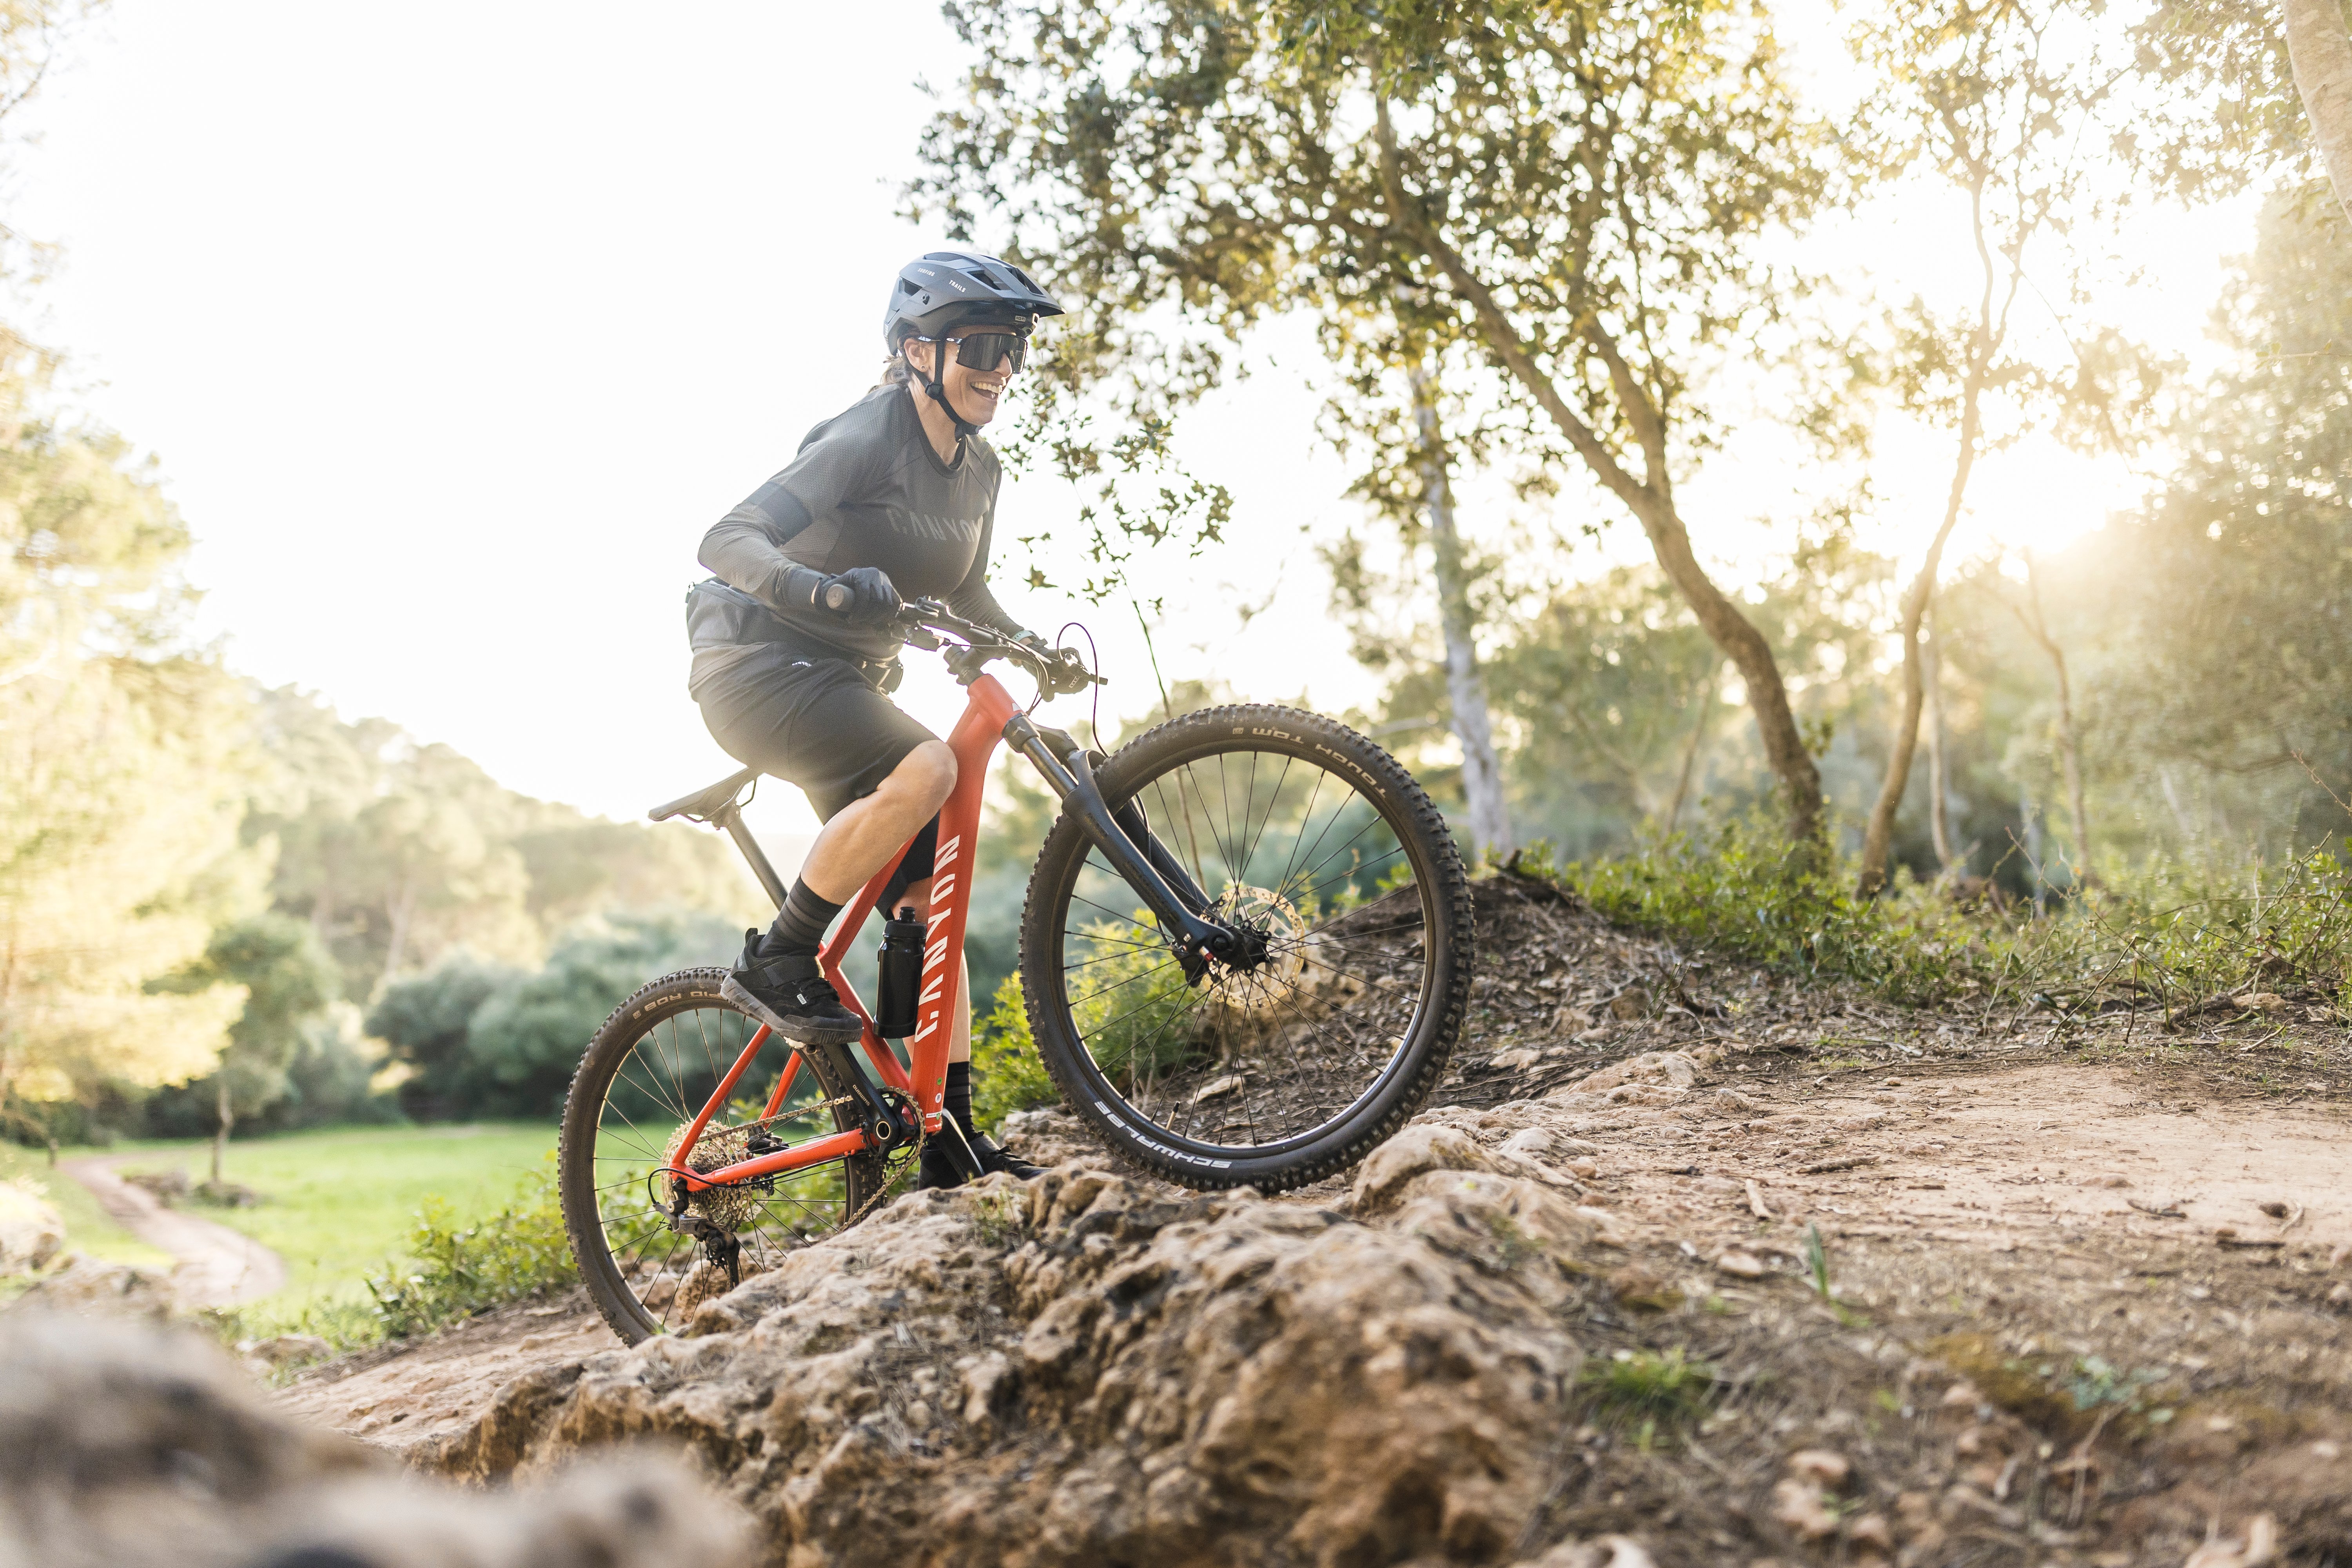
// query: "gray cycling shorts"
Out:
[819,724]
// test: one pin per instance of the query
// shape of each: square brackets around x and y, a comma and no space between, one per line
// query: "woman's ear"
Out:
[918,355]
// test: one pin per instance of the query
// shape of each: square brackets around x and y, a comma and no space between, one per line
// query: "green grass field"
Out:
[335,1203]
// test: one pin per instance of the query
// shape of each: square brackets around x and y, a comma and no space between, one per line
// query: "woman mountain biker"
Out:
[796,651]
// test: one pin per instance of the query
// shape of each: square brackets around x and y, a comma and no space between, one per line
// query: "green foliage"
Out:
[2170,936]
[453,1270]
[408,852]
[288,978]
[488,1041]
[2175,936]
[1006,1073]
[1742,887]
[123,766]
[1817,1261]
[1650,1386]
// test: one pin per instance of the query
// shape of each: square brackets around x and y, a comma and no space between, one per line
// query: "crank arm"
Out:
[877,1117]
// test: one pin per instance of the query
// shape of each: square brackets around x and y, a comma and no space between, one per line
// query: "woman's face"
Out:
[972,392]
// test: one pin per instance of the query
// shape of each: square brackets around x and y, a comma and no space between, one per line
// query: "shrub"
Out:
[456,1270]
[1007,1074]
[1743,888]
[2168,935]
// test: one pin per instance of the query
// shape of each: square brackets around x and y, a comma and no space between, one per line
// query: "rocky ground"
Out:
[1685,1264]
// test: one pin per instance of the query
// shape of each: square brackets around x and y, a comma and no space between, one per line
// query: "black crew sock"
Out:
[800,928]
[957,1101]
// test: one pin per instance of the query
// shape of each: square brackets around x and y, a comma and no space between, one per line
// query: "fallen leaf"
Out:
[1745,1265]
[1871,1529]
[1798,1505]
[1822,1465]
[2260,1546]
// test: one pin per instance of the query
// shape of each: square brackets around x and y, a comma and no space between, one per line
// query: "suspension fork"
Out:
[1167,891]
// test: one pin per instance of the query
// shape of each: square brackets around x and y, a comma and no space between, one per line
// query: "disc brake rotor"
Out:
[1271,982]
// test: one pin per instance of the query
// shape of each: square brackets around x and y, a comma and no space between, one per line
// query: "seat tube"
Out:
[974,740]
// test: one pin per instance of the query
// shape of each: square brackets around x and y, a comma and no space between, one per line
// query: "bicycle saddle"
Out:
[704,803]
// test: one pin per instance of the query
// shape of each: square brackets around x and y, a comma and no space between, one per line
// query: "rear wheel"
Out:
[645,1077]
[1298,1060]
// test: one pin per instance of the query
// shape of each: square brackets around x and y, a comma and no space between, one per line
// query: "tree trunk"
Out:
[2319,48]
[1939,773]
[2030,814]
[2070,758]
[1482,775]
[1984,343]
[1878,839]
[2070,752]
[227,1120]
[399,907]
[1650,498]
[1699,737]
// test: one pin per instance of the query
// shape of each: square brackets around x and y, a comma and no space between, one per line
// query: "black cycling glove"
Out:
[863,595]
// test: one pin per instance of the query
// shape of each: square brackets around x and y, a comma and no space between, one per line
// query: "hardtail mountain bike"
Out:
[1246,956]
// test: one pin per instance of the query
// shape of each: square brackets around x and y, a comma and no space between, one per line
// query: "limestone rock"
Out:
[123,1446]
[92,1288]
[30,1229]
[1050,1135]
[1112,1375]
[1673,1068]
[1421,1146]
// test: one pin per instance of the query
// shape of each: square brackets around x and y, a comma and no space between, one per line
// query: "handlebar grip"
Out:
[837,597]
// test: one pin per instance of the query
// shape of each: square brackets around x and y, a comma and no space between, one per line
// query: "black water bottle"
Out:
[902,971]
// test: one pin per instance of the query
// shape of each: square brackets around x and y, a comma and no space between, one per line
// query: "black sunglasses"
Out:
[983,350]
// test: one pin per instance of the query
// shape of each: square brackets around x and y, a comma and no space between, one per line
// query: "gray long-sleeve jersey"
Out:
[867,488]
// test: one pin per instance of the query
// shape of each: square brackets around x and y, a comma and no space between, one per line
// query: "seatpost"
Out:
[732,819]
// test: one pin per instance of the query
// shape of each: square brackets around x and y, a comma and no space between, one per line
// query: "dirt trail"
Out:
[2132,1250]
[2040,1170]
[2048,1155]
[217,1267]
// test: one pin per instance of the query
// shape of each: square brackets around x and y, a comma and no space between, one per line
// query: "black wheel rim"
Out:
[1257,1063]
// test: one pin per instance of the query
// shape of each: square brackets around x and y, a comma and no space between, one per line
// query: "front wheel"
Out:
[1296,1062]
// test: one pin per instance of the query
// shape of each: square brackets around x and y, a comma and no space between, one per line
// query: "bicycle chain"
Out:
[915,1160]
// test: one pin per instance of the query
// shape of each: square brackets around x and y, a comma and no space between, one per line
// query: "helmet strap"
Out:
[935,383]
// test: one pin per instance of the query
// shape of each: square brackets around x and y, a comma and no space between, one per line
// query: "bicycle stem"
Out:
[1073,779]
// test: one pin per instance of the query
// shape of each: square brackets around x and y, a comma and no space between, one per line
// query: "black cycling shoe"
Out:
[791,994]
[941,1169]
[993,1159]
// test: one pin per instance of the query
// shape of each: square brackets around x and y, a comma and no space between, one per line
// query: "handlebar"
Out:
[921,621]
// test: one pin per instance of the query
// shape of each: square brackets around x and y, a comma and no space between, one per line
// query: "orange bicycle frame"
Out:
[987,709]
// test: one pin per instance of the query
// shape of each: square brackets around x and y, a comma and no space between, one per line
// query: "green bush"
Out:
[490,1041]
[1006,1073]
[453,1270]
[2166,937]
[1742,887]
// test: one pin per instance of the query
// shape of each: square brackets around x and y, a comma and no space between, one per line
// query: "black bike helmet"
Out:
[941,290]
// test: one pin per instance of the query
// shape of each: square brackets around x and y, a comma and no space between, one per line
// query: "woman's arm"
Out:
[745,549]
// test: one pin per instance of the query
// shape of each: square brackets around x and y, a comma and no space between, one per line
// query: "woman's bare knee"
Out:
[927,774]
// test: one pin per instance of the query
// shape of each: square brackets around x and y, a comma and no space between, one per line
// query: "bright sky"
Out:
[453,326]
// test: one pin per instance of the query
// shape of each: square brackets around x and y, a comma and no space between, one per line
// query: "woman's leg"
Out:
[864,834]
[960,1026]
[938,1170]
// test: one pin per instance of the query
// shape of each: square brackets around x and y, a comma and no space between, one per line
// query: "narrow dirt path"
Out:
[217,1267]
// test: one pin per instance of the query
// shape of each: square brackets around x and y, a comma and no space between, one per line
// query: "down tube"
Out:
[973,740]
